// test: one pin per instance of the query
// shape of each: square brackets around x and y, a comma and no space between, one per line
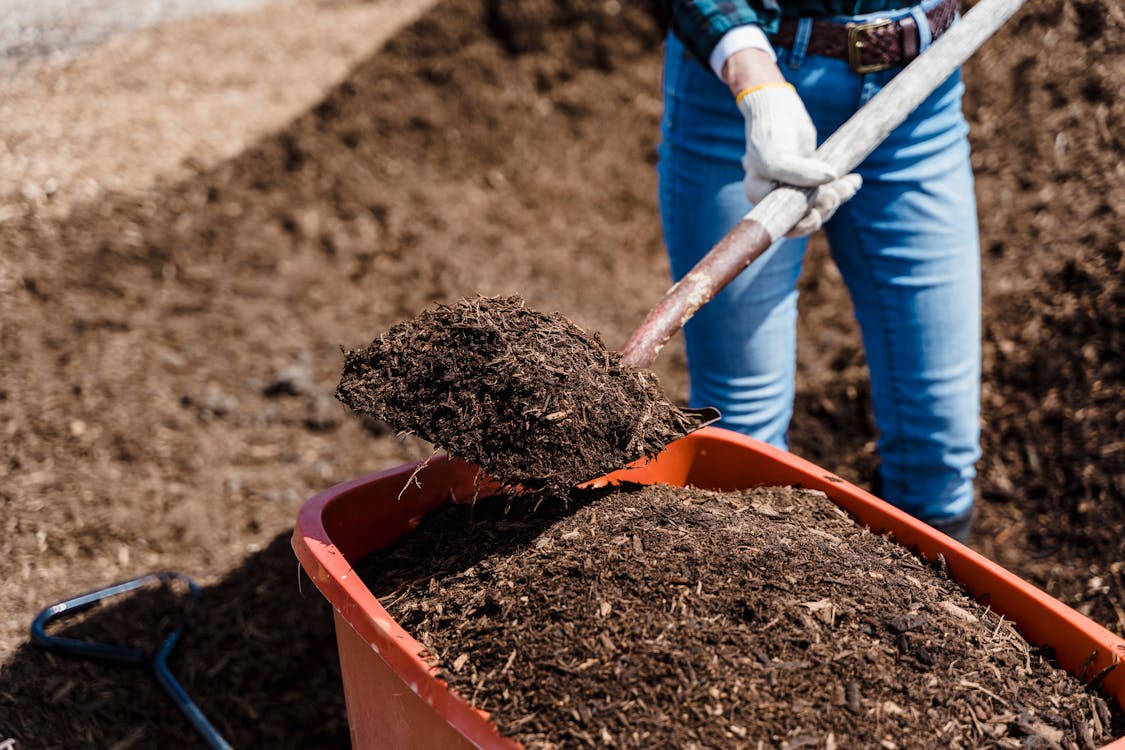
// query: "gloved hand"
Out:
[780,147]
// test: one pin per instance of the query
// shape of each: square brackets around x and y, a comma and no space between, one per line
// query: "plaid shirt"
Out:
[700,24]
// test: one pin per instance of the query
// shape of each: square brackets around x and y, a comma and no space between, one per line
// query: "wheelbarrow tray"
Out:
[395,700]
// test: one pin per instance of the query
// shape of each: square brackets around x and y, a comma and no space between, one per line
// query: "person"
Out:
[749,87]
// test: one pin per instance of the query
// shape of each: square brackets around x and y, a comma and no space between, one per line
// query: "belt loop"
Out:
[925,33]
[800,43]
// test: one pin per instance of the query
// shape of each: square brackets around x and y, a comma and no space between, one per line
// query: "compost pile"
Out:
[531,398]
[668,617]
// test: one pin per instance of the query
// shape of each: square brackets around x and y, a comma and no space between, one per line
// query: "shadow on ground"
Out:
[259,658]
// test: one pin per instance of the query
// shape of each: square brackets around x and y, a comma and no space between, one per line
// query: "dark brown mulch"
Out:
[669,617]
[168,359]
[531,398]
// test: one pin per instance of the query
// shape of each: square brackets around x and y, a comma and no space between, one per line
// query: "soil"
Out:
[670,617]
[530,398]
[170,349]
[145,110]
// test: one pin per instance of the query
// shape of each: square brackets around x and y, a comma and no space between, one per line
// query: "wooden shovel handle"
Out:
[738,249]
[779,211]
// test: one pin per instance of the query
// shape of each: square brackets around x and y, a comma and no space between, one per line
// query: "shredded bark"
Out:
[531,398]
[678,618]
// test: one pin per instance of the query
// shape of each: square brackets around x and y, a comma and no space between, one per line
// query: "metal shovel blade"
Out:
[703,417]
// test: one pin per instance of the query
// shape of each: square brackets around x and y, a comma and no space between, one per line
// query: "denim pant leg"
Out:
[908,250]
[906,245]
[741,346]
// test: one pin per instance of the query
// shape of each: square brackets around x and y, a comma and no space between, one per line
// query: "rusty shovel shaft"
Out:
[779,211]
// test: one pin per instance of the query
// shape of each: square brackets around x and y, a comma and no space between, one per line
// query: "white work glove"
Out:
[781,146]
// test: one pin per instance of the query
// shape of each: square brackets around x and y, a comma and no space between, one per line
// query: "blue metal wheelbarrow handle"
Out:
[127,654]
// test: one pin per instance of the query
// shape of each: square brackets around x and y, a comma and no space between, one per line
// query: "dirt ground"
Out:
[160,105]
[170,340]
[31,30]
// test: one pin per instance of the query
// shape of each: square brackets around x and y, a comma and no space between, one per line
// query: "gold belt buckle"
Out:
[857,45]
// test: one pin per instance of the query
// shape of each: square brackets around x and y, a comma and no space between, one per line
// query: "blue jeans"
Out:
[906,246]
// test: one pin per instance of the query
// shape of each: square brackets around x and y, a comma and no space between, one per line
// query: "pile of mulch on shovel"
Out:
[668,617]
[531,398]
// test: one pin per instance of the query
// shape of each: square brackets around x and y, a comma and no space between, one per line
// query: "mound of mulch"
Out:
[531,398]
[669,617]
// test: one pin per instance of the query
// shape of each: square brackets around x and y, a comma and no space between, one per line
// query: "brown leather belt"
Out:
[873,45]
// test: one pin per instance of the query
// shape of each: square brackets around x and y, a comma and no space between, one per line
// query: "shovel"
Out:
[779,211]
[538,444]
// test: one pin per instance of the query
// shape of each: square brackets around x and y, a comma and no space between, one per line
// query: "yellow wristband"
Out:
[748,91]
